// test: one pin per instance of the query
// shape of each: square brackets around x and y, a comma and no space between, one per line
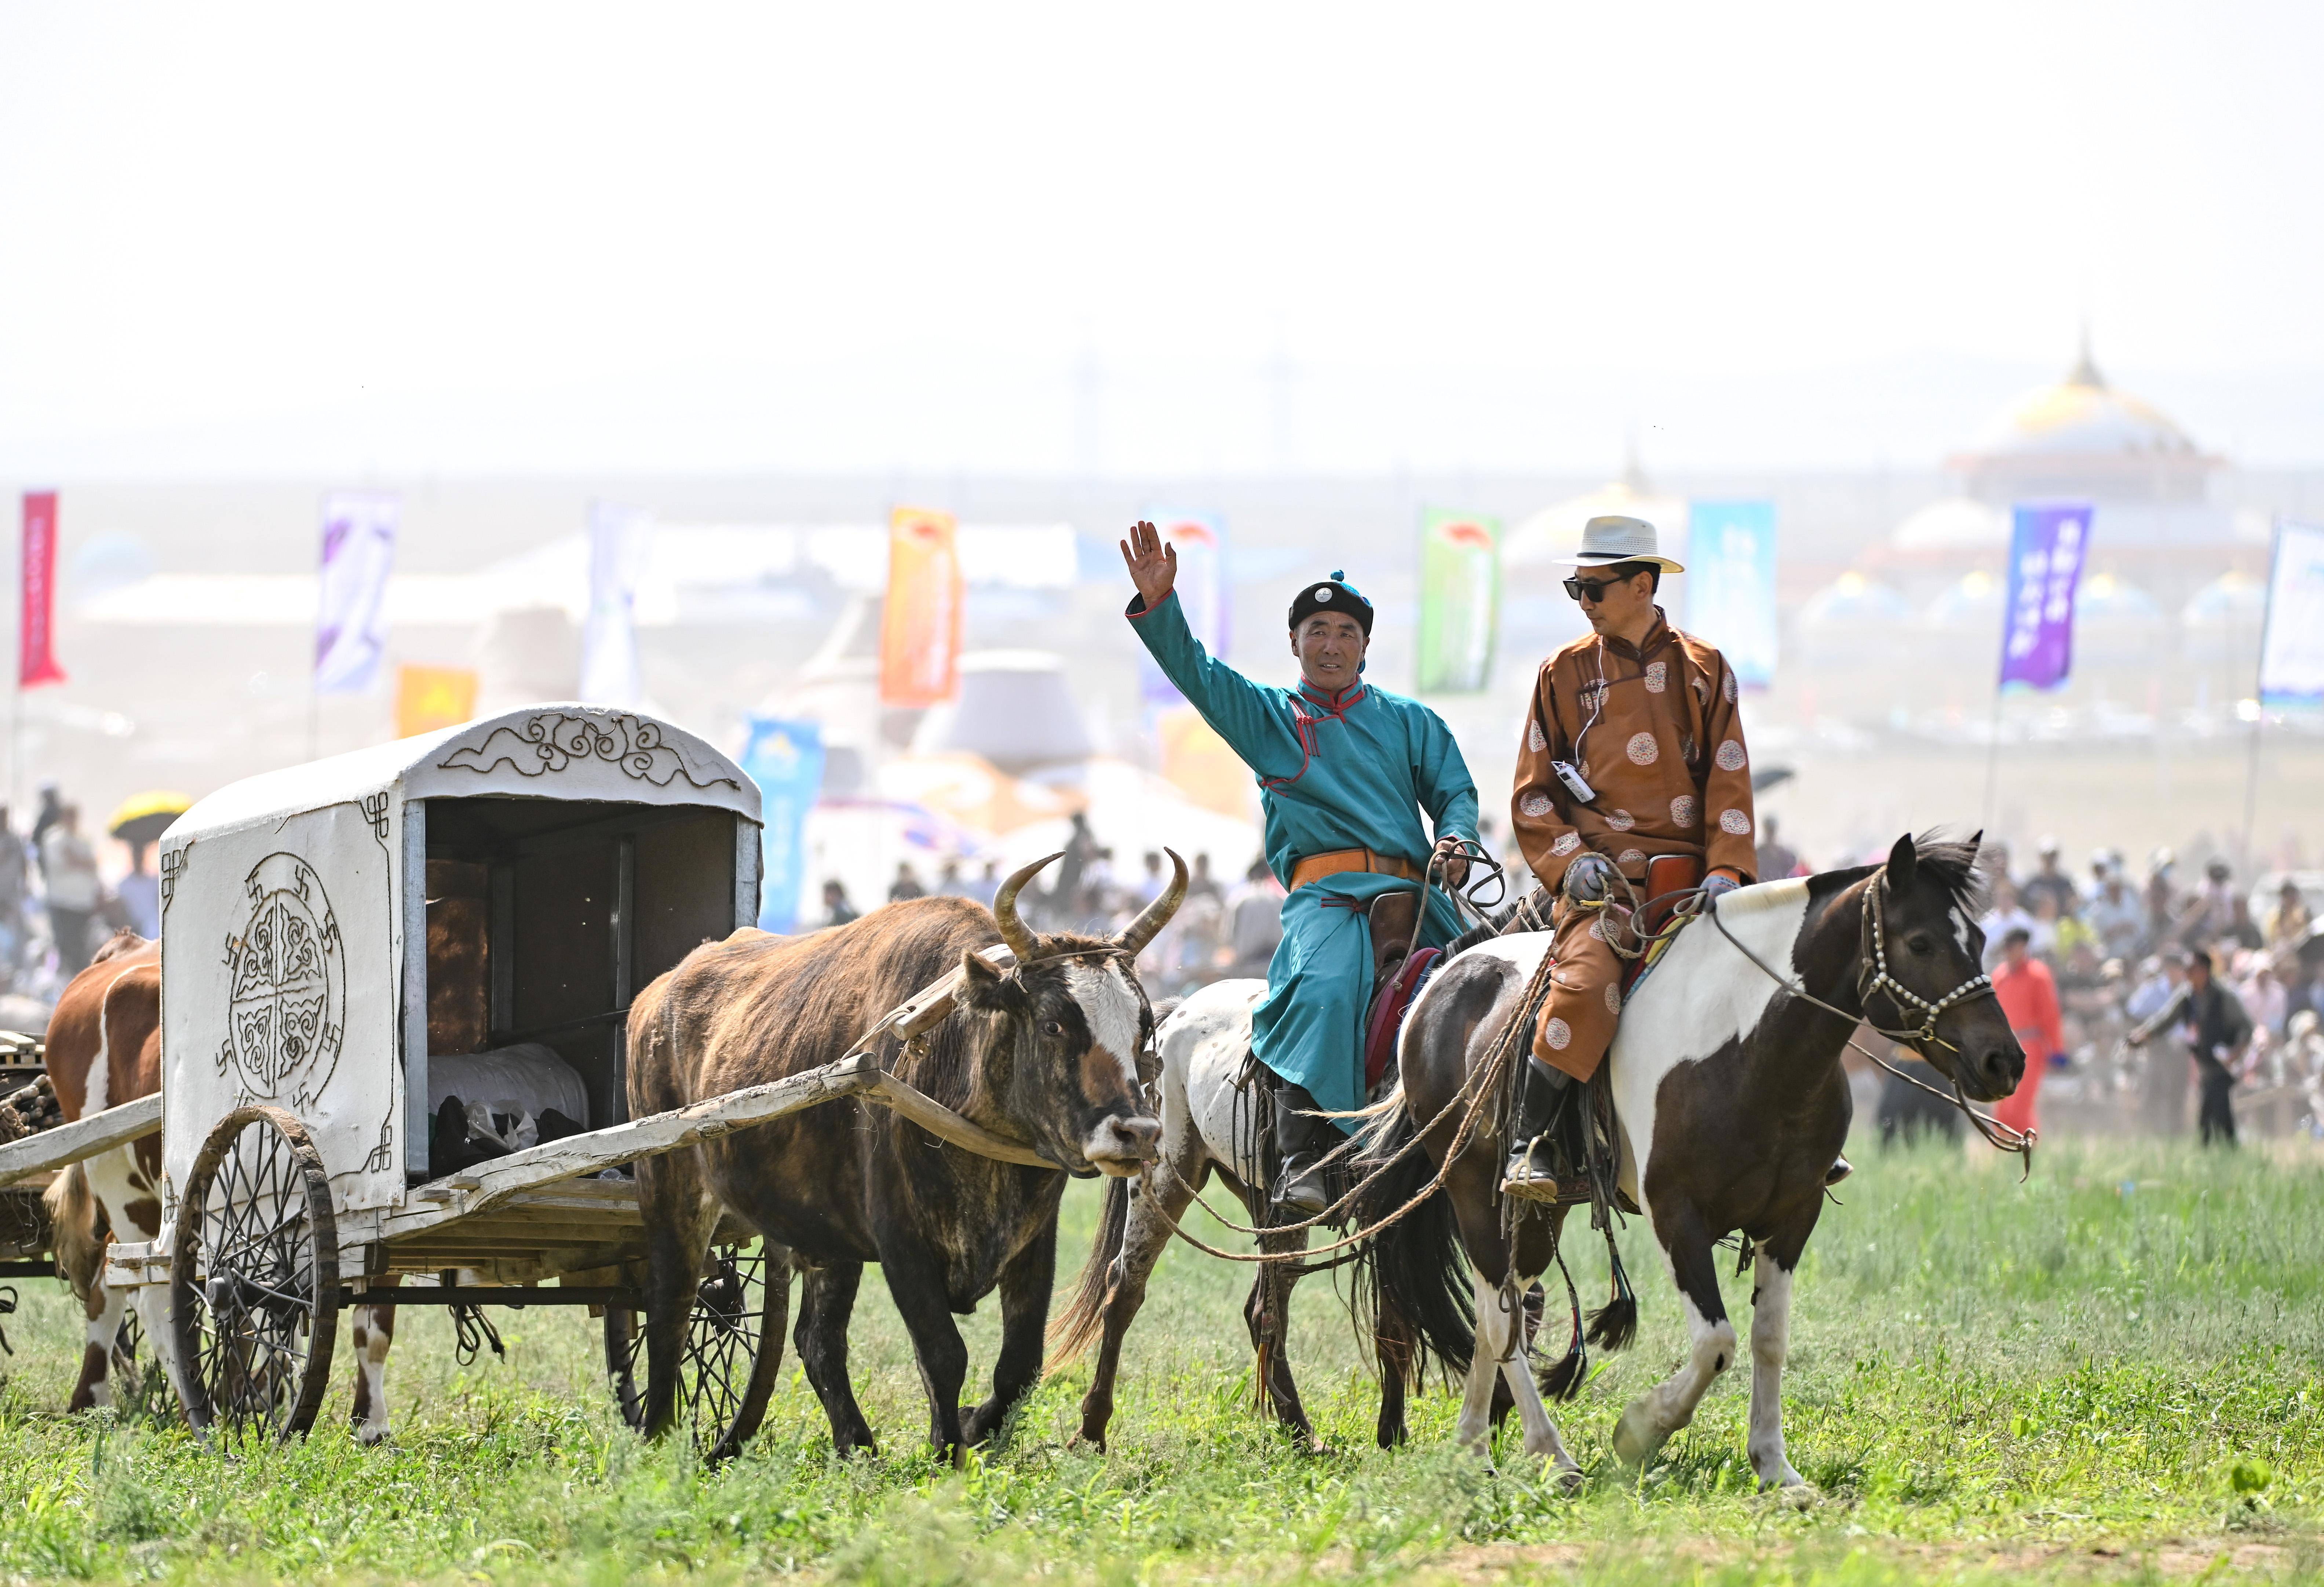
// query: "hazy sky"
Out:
[472,238]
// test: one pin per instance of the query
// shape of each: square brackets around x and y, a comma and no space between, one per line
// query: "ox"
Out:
[104,1048]
[1045,1053]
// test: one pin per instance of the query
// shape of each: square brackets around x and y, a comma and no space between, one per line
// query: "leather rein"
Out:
[1876,978]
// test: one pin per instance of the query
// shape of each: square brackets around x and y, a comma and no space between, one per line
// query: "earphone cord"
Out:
[1597,704]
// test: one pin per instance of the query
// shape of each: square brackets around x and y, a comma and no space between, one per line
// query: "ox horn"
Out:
[1013,932]
[1158,914]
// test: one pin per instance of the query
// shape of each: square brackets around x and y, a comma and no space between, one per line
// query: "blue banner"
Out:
[1730,584]
[785,759]
[2047,549]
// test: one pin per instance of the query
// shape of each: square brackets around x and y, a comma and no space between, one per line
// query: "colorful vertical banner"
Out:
[431,697]
[785,759]
[920,623]
[2291,644]
[620,540]
[351,617]
[1204,591]
[1201,765]
[1460,601]
[1731,583]
[36,657]
[2046,550]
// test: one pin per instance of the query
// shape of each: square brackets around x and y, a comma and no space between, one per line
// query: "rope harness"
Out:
[1477,1089]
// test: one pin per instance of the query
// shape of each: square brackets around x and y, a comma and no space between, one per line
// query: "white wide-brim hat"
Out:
[1613,538]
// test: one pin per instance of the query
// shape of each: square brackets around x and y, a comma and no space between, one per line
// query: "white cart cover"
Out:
[289,900]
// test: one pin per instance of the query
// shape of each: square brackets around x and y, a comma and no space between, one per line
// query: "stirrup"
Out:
[1529,1177]
[1299,1187]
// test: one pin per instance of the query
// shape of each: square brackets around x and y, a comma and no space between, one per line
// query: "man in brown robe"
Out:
[1645,720]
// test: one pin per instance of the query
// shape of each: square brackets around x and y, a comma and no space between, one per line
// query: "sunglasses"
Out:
[1592,590]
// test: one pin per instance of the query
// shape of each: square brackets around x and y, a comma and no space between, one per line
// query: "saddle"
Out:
[1398,971]
[1593,1167]
[1670,878]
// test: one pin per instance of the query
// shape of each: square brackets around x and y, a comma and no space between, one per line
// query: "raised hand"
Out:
[1152,561]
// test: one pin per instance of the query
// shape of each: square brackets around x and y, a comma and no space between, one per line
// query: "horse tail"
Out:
[1414,1272]
[1084,1317]
[1613,1325]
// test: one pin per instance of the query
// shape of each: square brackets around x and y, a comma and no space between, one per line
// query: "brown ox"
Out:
[1047,1053]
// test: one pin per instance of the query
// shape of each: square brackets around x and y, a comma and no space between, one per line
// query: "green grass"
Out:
[2111,1372]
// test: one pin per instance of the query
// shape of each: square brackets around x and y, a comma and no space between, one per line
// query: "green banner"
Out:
[1460,601]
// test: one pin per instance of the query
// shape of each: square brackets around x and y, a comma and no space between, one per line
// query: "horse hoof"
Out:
[1568,1480]
[1792,1490]
[1635,1439]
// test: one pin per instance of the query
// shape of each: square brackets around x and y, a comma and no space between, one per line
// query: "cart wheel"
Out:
[254,1277]
[724,1377]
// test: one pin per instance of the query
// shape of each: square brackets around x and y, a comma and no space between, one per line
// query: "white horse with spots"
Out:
[1732,1106]
[1211,1106]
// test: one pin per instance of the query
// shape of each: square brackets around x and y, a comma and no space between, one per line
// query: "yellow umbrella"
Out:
[143,818]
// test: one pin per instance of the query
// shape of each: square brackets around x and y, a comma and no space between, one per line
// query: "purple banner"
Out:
[358,556]
[2045,564]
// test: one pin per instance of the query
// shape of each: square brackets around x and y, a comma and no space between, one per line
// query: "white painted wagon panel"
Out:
[580,753]
[282,984]
[559,751]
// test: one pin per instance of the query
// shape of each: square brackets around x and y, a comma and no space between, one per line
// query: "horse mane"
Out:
[1959,863]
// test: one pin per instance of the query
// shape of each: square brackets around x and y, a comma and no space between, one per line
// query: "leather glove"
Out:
[1716,883]
[1589,877]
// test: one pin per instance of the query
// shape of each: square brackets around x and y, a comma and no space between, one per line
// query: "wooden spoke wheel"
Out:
[724,1373]
[254,1277]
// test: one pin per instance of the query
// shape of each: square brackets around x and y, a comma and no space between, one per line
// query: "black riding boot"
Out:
[1536,1158]
[1301,1142]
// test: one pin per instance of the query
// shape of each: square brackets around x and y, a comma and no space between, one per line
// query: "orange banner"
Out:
[919,626]
[1198,761]
[430,697]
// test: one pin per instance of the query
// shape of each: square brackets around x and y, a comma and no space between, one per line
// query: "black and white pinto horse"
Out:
[1732,1105]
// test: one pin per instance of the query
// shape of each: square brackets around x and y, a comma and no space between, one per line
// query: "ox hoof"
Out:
[1567,1479]
[1635,1436]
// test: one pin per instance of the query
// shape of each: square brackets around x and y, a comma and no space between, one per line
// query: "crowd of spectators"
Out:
[56,906]
[2141,990]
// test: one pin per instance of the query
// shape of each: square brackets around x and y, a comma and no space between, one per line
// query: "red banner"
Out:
[36,662]
[920,625]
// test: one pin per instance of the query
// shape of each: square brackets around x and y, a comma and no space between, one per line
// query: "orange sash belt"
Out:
[1333,861]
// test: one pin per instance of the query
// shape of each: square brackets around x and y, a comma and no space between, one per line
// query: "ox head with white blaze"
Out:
[1924,971]
[1073,1019]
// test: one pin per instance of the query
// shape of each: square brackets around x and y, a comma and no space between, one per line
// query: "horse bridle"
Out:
[1999,1136]
[1902,997]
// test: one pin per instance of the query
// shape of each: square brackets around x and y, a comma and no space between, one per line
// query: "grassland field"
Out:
[2110,1373]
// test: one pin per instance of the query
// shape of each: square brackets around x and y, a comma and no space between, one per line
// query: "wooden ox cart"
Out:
[332,931]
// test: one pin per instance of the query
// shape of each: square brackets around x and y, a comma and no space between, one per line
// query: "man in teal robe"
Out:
[1346,771]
